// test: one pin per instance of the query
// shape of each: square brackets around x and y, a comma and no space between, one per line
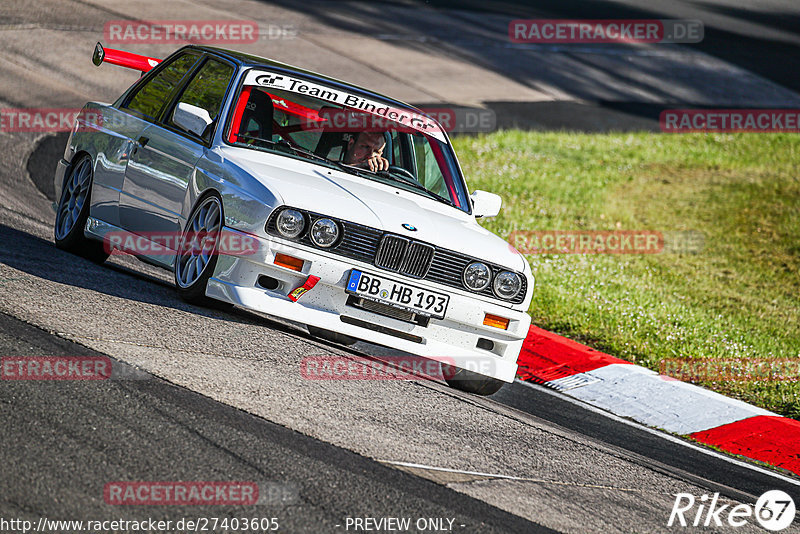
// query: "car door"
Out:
[112,134]
[161,168]
[147,102]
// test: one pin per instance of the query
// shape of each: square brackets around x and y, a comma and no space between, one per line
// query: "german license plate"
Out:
[397,294]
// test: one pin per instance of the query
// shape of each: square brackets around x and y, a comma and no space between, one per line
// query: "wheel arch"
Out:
[59,184]
[193,200]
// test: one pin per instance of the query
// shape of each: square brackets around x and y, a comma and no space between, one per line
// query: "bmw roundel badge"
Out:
[410,227]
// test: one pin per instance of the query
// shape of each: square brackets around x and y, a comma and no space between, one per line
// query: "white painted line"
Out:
[658,433]
[521,479]
[448,470]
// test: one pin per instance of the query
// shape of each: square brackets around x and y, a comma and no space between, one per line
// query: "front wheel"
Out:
[470,381]
[73,211]
[197,251]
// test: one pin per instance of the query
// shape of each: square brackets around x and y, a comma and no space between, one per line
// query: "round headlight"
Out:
[507,285]
[477,276]
[290,223]
[324,232]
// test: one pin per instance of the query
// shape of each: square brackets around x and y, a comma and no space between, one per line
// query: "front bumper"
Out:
[453,339]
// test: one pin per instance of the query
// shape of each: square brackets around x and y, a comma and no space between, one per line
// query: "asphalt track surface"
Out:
[596,88]
[221,397]
[69,437]
[761,36]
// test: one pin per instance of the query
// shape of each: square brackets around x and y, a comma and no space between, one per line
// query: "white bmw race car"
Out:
[303,197]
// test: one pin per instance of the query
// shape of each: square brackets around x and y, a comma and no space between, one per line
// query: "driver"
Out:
[365,149]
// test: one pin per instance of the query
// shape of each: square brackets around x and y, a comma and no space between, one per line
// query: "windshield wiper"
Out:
[254,138]
[286,144]
[352,169]
[297,149]
[396,177]
[416,185]
[301,150]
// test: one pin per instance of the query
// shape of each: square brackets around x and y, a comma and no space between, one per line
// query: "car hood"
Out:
[338,194]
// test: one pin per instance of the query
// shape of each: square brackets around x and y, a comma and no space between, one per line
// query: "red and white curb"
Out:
[659,401]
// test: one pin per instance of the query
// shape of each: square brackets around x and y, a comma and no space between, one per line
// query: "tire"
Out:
[328,335]
[198,248]
[73,211]
[469,381]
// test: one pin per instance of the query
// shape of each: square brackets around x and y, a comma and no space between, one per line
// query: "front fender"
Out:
[246,202]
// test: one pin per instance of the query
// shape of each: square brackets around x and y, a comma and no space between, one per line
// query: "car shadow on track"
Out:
[42,162]
[41,259]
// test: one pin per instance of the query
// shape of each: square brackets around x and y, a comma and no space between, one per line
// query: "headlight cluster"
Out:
[324,232]
[507,284]
[291,224]
[477,277]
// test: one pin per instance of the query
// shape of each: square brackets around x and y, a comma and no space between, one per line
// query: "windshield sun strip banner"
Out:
[403,117]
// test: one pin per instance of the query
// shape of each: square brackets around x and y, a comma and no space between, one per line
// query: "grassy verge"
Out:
[738,297]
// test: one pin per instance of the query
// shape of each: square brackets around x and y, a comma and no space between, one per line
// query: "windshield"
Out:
[370,138]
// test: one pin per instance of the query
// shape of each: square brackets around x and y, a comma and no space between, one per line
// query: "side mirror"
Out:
[191,118]
[485,204]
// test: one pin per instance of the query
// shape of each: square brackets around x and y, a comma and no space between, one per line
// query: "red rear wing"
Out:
[124,59]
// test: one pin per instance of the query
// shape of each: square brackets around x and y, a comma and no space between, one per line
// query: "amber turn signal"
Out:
[495,321]
[290,262]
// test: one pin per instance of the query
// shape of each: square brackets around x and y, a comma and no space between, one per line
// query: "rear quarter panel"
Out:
[106,134]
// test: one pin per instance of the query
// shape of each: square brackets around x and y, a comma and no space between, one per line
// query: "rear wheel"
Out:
[73,211]
[470,381]
[197,252]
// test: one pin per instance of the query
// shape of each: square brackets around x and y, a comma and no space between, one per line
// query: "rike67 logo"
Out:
[774,510]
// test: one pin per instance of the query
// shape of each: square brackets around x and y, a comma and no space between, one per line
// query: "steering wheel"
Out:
[405,172]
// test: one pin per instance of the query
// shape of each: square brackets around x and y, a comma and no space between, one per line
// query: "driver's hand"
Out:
[376,163]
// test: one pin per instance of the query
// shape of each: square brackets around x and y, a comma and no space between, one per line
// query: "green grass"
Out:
[739,297]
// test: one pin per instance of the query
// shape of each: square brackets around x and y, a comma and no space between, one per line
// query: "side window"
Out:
[203,97]
[149,98]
